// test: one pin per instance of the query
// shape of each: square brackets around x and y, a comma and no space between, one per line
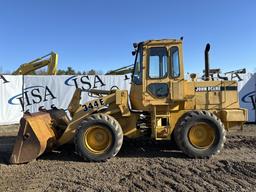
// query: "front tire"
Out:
[98,138]
[200,134]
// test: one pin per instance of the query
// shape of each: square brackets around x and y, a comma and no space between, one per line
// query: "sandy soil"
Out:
[139,166]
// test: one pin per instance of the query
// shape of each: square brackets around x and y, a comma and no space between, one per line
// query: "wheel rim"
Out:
[201,135]
[97,139]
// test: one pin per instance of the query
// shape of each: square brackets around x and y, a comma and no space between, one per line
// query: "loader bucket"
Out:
[34,137]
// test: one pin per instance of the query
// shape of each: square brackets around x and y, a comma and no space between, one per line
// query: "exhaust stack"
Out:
[206,61]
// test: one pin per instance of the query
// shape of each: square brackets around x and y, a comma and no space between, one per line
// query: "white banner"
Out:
[10,86]
[58,90]
[247,95]
[45,91]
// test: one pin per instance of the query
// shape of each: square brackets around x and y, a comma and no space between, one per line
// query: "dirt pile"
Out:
[140,166]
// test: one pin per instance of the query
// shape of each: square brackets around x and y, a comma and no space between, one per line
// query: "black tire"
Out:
[193,119]
[110,125]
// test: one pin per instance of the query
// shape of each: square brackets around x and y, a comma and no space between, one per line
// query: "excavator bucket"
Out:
[34,137]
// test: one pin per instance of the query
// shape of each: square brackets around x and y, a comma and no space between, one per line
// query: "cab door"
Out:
[157,78]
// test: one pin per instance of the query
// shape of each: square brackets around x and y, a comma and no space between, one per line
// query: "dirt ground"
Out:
[139,166]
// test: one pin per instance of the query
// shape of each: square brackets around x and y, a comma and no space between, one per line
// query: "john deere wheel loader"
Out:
[161,105]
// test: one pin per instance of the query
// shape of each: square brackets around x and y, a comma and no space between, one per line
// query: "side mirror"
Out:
[135,45]
[193,76]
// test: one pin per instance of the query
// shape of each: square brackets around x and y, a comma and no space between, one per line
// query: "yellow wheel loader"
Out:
[161,105]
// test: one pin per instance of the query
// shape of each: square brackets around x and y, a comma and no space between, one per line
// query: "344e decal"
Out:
[96,104]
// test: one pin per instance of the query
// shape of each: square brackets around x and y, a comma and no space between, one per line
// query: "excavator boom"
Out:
[122,70]
[51,62]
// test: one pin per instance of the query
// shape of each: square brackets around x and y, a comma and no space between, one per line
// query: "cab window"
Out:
[175,63]
[157,62]
[137,74]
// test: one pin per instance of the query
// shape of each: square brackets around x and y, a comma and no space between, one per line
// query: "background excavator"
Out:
[161,105]
[50,60]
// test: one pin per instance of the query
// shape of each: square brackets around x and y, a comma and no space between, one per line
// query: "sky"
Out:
[98,34]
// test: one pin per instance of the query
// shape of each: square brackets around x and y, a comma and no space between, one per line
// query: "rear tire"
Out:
[200,134]
[98,138]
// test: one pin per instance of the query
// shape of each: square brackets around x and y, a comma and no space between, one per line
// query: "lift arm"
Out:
[51,62]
